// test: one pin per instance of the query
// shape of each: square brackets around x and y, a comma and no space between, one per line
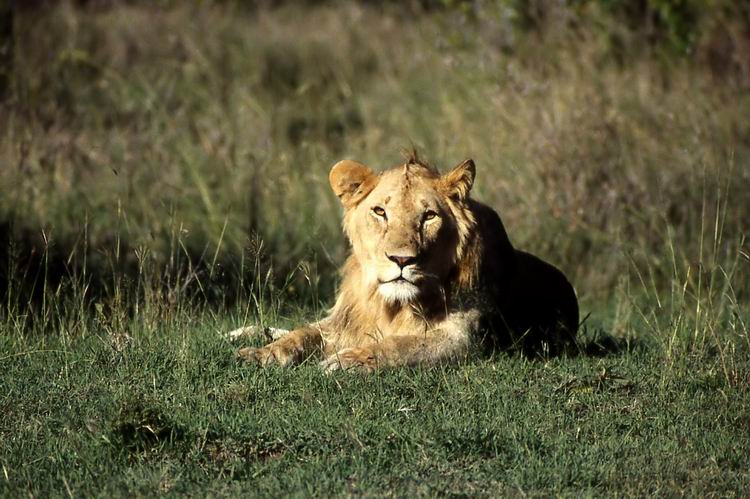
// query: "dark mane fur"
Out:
[412,158]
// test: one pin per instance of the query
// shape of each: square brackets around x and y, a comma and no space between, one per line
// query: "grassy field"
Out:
[175,413]
[163,179]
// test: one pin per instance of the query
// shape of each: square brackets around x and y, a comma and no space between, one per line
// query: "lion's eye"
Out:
[379,211]
[430,215]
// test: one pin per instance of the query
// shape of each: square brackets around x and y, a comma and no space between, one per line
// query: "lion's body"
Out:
[526,302]
[430,269]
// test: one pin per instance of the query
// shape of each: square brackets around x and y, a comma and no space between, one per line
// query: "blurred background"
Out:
[165,157]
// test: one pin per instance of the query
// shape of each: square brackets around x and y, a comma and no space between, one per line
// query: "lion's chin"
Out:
[400,291]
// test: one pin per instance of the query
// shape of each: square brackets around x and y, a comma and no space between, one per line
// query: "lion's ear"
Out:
[351,181]
[457,182]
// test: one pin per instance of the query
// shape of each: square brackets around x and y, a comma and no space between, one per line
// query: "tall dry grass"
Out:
[155,158]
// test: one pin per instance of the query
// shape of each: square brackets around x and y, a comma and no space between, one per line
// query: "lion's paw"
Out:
[272,333]
[356,359]
[269,355]
[243,332]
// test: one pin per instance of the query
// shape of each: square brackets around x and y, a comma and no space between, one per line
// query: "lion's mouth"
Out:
[398,290]
[395,280]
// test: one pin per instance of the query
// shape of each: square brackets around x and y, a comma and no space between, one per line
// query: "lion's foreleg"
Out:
[445,343]
[289,349]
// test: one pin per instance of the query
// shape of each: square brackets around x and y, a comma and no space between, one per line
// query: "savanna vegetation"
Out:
[163,179]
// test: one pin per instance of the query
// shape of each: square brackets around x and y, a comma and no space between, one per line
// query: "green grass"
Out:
[163,179]
[173,412]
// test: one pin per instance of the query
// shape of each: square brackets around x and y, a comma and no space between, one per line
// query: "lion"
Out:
[431,272]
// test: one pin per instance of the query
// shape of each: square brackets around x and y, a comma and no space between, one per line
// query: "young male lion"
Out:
[430,268]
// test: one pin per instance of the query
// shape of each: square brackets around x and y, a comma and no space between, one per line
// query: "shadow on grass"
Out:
[37,267]
[67,266]
[600,343]
[145,428]
[140,426]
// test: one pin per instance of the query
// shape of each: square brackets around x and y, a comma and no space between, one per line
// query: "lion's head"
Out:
[409,226]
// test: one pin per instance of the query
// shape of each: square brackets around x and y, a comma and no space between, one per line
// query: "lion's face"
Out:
[402,224]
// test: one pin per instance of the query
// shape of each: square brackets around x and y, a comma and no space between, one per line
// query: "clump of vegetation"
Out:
[140,427]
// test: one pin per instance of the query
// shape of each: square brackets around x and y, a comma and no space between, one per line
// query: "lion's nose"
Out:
[402,260]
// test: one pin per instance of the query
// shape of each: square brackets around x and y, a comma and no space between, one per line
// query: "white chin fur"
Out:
[398,291]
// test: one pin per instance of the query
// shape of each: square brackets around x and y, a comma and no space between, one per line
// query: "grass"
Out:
[175,413]
[164,180]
